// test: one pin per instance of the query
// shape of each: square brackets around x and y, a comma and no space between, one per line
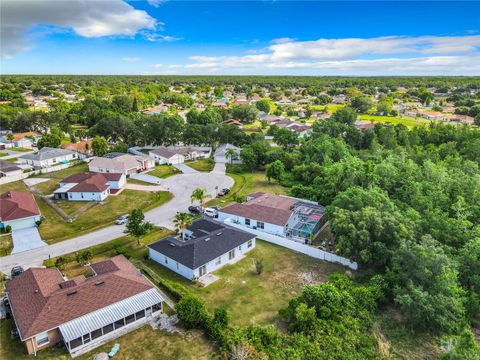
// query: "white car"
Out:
[122,220]
[210,212]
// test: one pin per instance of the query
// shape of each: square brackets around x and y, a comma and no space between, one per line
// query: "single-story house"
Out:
[47,157]
[280,215]
[120,163]
[179,154]
[19,210]
[220,155]
[205,246]
[83,313]
[82,147]
[9,169]
[233,122]
[21,140]
[90,186]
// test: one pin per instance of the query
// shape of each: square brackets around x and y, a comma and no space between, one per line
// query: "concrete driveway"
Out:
[26,239]
[181,186]
[147,178]
[185,169]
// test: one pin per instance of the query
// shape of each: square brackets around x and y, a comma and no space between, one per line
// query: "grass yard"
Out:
[408,121]
[70,207]
[3,154]
[247,183]
[251,298]
[47,187]
[19,149]
[13,186]
[6,244]
[204,165]
[138,182]
[142,344]
[12,160]
[164,171]
[331,108]
[54,229]
[62,174]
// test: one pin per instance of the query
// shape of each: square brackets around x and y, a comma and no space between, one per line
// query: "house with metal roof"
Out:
[47,157]
[82,312]
[203,247]
[281,215]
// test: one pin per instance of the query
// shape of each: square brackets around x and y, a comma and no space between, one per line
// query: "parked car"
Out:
[16,270]
[216,207]
[122,220]
[195,210]
[223,192]
[211,212]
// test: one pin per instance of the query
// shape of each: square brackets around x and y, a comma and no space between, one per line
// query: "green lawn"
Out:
[164,171]
[54,228]
[204,165]
[6,244]
[12,160]
[247,183]
[20,149]
[141,344]
[331,108]
[408,121]
[62,174]
[139,182]
[3,154]
[251,298]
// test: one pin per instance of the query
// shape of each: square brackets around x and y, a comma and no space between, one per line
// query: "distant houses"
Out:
[221,154]
[203,247]
[90,186]
[179,154]
[24,140]
[18,210]
[82,312]
[9,169]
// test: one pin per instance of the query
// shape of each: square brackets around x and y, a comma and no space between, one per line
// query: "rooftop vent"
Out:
[207,239]
[220,233]
[99,282]
[172,244]
[70,293]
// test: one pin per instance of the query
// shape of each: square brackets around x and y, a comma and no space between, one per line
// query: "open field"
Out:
[408,121]
[247,183]
[164,171]
[204,165]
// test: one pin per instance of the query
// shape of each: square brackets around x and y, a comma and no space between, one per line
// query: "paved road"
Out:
[181,186]
[14,154]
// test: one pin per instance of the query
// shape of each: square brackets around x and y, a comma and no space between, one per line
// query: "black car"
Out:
[16,270]
[195,210]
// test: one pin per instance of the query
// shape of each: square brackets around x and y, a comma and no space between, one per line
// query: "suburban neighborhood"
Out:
[239,180]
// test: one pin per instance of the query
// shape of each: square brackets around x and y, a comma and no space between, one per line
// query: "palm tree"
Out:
[200,195]
[230,154]
[182,220]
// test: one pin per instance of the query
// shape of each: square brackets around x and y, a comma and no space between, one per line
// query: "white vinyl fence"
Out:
[296,246]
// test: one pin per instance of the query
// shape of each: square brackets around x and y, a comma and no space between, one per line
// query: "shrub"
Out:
[259,266]
[8,229]
[192,312]
[120,250]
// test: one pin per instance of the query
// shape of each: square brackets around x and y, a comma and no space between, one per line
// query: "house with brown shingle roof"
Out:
[19,210]
[83,312]
[280,215]
[90,186]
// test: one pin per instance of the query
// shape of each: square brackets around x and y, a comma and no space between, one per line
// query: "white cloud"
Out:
[131,59]
[157,65]
[95,18]
[282,40]
[391,55]
[156,37]
[156,3]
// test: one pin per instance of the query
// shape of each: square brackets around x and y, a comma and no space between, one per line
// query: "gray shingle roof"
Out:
[196,252]
[47,153]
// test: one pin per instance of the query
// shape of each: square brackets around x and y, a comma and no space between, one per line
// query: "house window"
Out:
[96,334]
[42,339]
[247,221]
[75,343]
[166,260]
[157,307]
[250,243]
[260,225]
[130,318]
[240,248]
[81,194]
[119,323]
[140,314]
[231,254]
[148,311]
[86,338]
[108,328]
[218,261]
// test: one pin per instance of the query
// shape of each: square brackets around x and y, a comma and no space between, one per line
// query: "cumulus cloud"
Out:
[131,59]
[94,18]
[397,55]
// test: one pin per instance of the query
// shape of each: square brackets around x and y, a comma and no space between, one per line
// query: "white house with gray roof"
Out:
[47,157]
[205,246]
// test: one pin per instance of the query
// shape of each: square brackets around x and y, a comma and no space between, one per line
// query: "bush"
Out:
[192,312]
[8,229]
[120,250]
[259,266]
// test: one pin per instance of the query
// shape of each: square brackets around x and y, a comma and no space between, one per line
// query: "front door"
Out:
[203,270]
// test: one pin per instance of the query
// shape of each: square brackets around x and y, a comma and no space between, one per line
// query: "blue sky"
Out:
[233,37]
